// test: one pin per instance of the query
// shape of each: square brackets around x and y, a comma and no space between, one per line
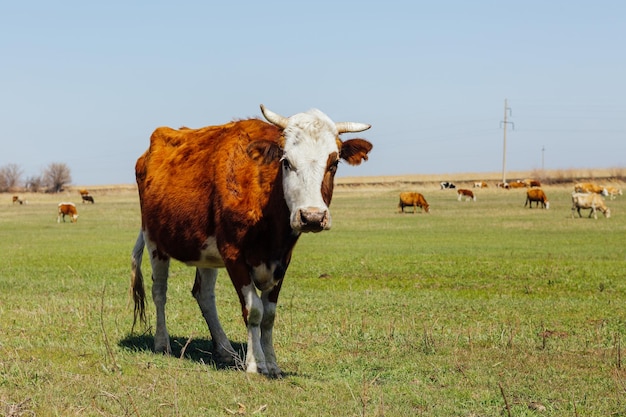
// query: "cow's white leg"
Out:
[204,292]
[267,344]
[255,358]
[160,268]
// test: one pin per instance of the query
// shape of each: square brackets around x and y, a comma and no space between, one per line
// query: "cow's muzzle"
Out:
[311,219]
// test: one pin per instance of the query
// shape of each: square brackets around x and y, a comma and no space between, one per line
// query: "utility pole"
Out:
[507,111]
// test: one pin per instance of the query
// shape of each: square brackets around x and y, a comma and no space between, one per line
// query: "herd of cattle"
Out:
[246,214]
[586,195]
[64,208]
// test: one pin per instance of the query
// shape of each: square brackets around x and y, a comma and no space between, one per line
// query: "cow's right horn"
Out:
[345,127]
[274,118]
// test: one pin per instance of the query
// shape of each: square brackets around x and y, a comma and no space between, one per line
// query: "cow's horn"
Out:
[345,127]
[274,118]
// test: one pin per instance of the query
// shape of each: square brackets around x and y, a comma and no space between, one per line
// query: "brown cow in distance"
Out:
[408,199]
[237,196]
[67,209]
[468,194]
[538,196]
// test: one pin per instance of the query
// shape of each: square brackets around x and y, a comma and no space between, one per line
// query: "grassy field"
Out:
[476,309]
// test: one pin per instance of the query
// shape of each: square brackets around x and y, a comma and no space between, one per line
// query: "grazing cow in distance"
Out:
[468,194]
[517,184]
[83,191]
[502,185]
[591,201]
[480,184]
[534,183]
[589,187]
[538,196]
[87,199]
[255,188]
[416,200]
[613,192]
[17,199]
[446,184]
[67,209]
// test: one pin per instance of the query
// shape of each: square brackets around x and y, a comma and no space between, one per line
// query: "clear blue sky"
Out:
[86,83]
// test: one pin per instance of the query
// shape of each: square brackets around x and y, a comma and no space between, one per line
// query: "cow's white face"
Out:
[310,152]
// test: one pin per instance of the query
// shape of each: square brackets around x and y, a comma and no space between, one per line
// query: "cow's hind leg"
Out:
[204,293]
[160,269]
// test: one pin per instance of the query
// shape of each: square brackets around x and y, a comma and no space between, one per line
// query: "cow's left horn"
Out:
[274,118]
[345,127]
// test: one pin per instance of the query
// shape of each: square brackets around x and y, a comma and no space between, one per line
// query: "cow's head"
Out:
[309,154]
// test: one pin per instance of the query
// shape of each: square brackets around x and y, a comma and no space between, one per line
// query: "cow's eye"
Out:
[287,165]
[333,167]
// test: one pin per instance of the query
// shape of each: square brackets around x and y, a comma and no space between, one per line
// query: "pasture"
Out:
[479,308]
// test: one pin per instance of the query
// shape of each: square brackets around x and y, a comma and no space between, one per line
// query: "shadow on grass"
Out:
[197,350]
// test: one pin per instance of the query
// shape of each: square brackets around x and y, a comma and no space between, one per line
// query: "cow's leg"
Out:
[204,293]
[160,269]
[269,299]
[253,315]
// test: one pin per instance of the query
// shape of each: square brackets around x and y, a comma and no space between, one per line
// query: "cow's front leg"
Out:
[253,315]
[267,326]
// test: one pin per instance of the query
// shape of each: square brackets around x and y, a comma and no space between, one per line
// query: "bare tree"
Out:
[34,184]
[56,176]
[10,177]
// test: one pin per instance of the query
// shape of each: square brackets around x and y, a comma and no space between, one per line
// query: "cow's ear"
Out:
[264,151]
[354,151]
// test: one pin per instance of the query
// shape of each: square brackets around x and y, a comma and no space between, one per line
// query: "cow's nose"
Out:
[313,219]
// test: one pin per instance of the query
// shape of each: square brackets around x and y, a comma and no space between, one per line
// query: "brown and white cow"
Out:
[468,194]
[67,209]
[237,196]
[538,196]
[408,199]
[591,201]
[17,199]
[516,184]
[589,187]
[480,184]
[613,192]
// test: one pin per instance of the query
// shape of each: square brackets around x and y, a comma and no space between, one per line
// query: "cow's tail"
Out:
[137,290]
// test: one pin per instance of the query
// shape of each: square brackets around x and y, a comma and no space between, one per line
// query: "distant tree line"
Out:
[52,179]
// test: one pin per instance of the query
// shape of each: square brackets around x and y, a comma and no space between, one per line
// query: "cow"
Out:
[412,199]
[517,184]
[480,184]
[83,192]
[462,192]
[591,201]
[613,192]
[236,196]
[67,209]
[538,196]
[17,199]
[589,187]
[446,184]
[502,185]
[87,199]
[534,183]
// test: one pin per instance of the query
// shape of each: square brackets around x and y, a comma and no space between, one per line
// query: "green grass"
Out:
[477,309]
